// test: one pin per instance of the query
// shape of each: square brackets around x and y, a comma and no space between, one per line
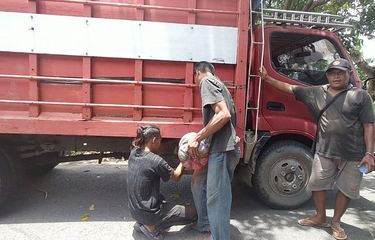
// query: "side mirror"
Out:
[364,86]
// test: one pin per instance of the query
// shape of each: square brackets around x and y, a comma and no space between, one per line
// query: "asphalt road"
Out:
[85,200]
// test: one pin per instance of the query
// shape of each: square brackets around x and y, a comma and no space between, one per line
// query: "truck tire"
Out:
[282,173]
[38,170]
[8,176]
[42,164]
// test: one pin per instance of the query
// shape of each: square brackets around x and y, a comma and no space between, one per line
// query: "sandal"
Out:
[338,232]
[311,223]
[137,227]
[150,235]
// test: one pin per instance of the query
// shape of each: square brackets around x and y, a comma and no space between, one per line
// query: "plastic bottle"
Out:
[363,169]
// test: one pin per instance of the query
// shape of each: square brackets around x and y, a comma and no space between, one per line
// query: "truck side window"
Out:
[301,57]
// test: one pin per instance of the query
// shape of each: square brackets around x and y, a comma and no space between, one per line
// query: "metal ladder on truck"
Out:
[251,137]
[286,17]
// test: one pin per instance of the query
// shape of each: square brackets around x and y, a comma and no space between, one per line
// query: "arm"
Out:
[284,87]
[220,118]
[369,159]
[177,173]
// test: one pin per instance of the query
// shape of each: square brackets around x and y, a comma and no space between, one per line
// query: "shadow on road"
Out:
[72,191]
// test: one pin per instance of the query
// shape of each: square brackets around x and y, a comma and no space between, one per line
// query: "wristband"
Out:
[370,154]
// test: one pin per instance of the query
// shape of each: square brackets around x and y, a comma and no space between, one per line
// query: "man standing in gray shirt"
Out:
[345,140]
[211,186]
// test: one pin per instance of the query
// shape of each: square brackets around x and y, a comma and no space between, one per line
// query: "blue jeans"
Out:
[212,193]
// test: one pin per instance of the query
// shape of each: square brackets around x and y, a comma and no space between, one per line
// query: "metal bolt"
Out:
[284,184]
[294,186]
[293,168]
[300,177]
[282,173]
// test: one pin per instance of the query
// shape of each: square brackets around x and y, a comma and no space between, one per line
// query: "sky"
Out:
[369,49]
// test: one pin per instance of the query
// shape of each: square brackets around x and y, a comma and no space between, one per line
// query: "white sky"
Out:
[369,49]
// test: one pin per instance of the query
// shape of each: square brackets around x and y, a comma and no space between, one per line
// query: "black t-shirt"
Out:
[144,172]
[341,134]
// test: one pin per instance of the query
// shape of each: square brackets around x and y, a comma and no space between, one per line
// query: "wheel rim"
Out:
[288,177]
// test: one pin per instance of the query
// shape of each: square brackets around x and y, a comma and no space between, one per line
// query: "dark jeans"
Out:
[172,215]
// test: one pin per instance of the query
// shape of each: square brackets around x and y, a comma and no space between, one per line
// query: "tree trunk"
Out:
[307,5]
[316,4]
[288,4]
[368,70]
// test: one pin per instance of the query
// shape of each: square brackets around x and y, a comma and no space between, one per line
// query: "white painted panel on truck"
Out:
[59,35]
[16,33]
[98,37]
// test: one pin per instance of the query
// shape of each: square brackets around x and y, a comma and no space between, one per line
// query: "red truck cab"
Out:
[280,158]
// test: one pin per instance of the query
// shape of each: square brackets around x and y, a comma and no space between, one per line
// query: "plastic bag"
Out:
[189,162]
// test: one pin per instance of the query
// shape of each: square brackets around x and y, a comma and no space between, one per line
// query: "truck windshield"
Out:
[302,57]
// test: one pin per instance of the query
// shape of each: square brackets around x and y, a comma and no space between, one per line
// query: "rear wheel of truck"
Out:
[8,175]
[42,164]
[37,169]
[282,173]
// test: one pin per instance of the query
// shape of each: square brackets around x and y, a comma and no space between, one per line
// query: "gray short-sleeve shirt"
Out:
[341,134]
[213,91]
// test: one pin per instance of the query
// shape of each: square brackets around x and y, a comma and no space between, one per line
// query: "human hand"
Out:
[369,161]
[193,148]
[263,73]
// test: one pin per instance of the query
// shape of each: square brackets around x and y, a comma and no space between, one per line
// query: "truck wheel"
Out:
[42,165]
[38,170]
[7,176]
[282,173]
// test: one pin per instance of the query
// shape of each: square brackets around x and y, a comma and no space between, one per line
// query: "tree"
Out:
[361,14]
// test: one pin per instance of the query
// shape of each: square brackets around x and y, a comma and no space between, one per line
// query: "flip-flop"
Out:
[311,223]
[338,232]
[151,235]
[137,226]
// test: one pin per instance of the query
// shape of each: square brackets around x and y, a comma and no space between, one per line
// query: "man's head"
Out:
[148,136]
[338,74]
[202,69]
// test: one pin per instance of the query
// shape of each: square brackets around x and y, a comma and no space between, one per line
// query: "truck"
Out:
[77,77]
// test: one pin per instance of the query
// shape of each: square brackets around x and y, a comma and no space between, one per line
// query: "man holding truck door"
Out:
[345,140]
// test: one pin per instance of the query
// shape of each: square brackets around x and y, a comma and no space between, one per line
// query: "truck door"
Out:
[298,58]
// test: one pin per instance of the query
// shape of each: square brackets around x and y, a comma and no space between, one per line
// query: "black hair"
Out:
[204,67]
[145,134]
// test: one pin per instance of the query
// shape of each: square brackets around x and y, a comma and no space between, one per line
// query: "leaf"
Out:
[92,207]
[43,191]
[85,217]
